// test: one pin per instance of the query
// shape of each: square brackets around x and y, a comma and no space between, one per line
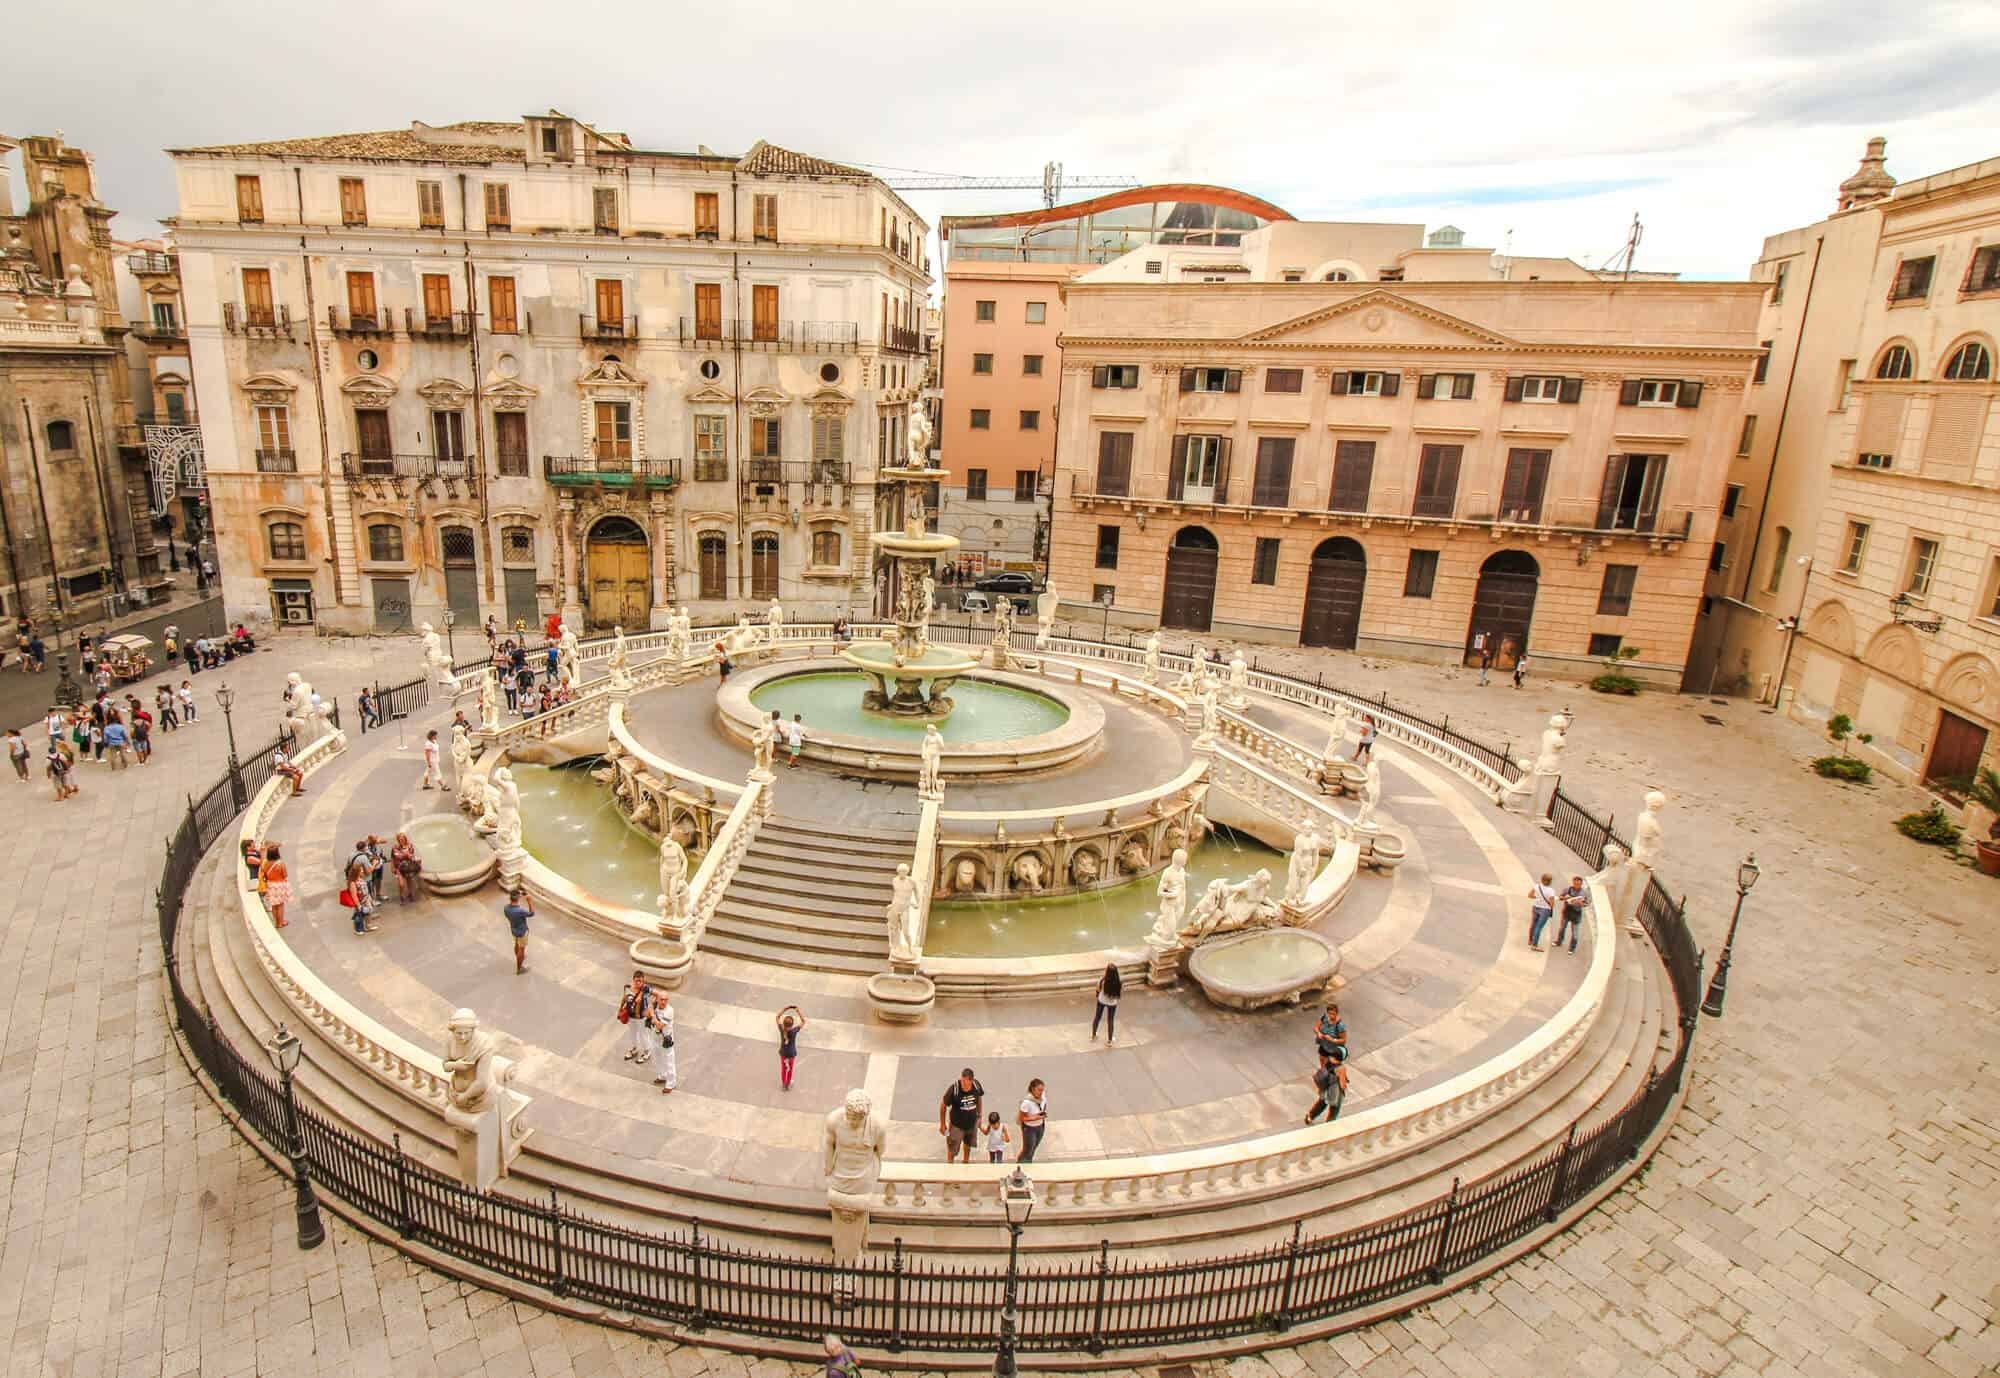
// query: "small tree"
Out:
[1842,766]
[1840,727]
[1614,680]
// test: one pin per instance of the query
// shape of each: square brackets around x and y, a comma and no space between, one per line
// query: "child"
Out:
[996,1138]
[791,1023]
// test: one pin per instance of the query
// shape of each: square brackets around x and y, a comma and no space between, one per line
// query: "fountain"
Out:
[910,676]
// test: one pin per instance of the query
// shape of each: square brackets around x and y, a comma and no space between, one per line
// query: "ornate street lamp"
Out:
[68,695]
[451,642]
[1105,602]
[1017,1196]
[225,699]
[284,1049]
[1718,989]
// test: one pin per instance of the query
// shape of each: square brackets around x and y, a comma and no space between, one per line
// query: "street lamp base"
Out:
[312,1231]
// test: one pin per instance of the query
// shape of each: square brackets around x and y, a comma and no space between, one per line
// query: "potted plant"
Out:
[1842,766]
[1984,790]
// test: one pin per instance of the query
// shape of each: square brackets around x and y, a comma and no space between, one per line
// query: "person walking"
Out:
[1485,658]
[187,702]
[1110,986]
[17,752]
[997,1138]
[1542,899]
[39,653]
[1520,668]
[795,737]
[97,737]
[408,866]
[1575,899]
[1364,742]
[840,1360]
[433,777]
[958,1116]
[1329,1081]
[633,1007]
[277,879]
[722,665]
[1330,1034]
[55,724]
[662,1021]
[371,710]
[520,908]
[59,770]
[117,740]
[142,737]
[791,1023]
[1033,1117]
[163,704]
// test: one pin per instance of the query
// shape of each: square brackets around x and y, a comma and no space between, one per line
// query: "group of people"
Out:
[204,652]
[648,1015]
[1544,900]
[517,669]
[1486,646]
[106,731]
[964,1121]
[368,865]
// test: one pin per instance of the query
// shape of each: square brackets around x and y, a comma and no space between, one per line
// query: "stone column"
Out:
[663,560]
[566,561]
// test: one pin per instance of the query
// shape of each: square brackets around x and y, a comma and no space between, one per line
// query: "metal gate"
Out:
[1189,601]
[392,604]
[1503,607]
[461,573]
[1333,595]
[521,605]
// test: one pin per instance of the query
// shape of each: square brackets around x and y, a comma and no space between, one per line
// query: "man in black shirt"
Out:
[958,1116]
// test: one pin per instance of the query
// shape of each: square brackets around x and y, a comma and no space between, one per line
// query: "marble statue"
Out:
[1172,894]
[646,811]
[1152,675]
[1612,875]
[673,879]
[436,663]
[621,675]
[1046,604]
[507,830]
[900,914]
[1211,711]
[1648,844]
[1003,620]
[461,766]
[1371,793]
[489,700]
[488,821]
[326,727]
[468,1058]
[774,622]
[1026,873]
[1336,740]
[1550,761]
[302,720]
[1083,868]
[1303,868]
[744,636]
[569,655]
[930,776]
[1134,858]
[1239,681]
[1224,908]
[677,634]
[854,1139]
[762,743]
[964,877]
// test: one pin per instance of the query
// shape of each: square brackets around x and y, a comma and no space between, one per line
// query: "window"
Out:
[1038,312]
[612,438]
[1115,376]
[1353,471]
[499,206]
[501,313]
[1211,380]
[765,438]
[517,545]
[1536,388]
[1843,384]
[826,549]
[1445,387]
[257,307]
[1629,499]
[1869,460]
[1614,597]
[1114,464]
[353,201]
[1024,484]
[1366,383]
[1294,276]
[1605,644]
[982,419]
[984,310]
[1104,595]
[829,440]
[1749,435]
[1284,380]
[286,540]
[165,317]
[1970,364]
[1857,546]
[1913,279]
[711,448]
[437,299]
[1983,273]
[708,310]
[1778,277]
[430,205]
[1779,551]
[1264,566]
[1922,566]
[250,200]
[1421,576]
[1651,392]
[764,566]
[510,441]
[175,402]
[372,439]
[1107,547]
[764,312]
[764,217]
[1199,471]
[549,144]
[707,215]
[610,307]
[1522,485]
[1273,484]
[1730,497]
[975,485]
[62,436]
[1716,554]
[1437,481]
[1993,584]
[448,437]
[361,298]
[385,543]
[604,209]
[1031,421]
[1031,365]
[1763,366]
[982,363]
[1897,364]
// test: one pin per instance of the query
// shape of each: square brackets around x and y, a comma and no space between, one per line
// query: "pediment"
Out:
[269,389]
[369,385]
[709,395]
[829,402]
[445,393]
[609,373]
[509,389]
[1379,318]
[764,401]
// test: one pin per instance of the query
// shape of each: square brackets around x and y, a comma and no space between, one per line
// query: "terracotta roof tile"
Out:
[769,158]
[400,145]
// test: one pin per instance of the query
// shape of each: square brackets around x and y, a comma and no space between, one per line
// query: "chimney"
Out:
[1871,181]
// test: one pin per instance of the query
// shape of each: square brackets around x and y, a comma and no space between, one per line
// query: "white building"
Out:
[516,368]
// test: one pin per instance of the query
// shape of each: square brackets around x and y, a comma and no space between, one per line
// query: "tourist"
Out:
[281,764]
[356,896]
[1520,669]
[378,867]
[371,710]
[632,1008]
[253,861]
[554,660]
[958,1115]
[187,702]
[1109,987]
[492,631]
[433,777]
[520,908]
[524,687]
[722,665]
[193,660]
[96,734]
[1330,1034]
[1364,745]
[1033,1117]
[79,735]
[1575,900]
[1329,1082]
[59,769]
[841,632]
[661,1020]
[997,1138]
[277,879]
[56,723]
[142,736]
[795,737]
[117,740]
[163,700]
[39,653]
[840,1360]
[86,654]
[17,752]
[791,1023]
[1542,897]
[1485,650]
[407,865]
[509,685]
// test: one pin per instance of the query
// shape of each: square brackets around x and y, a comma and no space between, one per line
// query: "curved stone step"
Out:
[838,874]
[869,923]
[762,949]
[763,892]
[754,927]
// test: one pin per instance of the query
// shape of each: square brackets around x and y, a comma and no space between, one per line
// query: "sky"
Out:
[1541,126]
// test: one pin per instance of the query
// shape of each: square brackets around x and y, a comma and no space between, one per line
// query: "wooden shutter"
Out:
[1690,394]
[1114,463]
[1187,380]
[1649,491]
[1392,383]
[437,298]
[1177,469]
[353,201]
[430,205]
[708,310]
[1461,386]
[764,212]
[1340,382]
[250,200]
[361,295]
[1222,471]
[499,213]
[1273,485]
[1353,474]
[1521,490]
[1572,389]
[1232,380]
[257,296]
[707,215]
[604,207]
[510,429]
[500,306]
[1628,393]
[1614,480]
[610,304]
[1437,480]
[1426,386]
[1515,382]
[764,312]
[1100,376]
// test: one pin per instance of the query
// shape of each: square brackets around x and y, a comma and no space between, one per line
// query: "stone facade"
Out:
[1400,452]
[518,368]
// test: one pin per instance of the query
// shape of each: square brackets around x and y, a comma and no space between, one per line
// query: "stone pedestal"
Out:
[1386,850]
[1351,778]
[513,861]
[666,961]
[1632,879]
[1163,963]
[1544,794]
[998,656]
[850,1225]
[487,1140]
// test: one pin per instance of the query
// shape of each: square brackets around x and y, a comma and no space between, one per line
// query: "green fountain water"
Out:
[447,844]
[830,701]
[570,825]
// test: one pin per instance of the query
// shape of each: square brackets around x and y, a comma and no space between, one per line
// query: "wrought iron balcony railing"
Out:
[269,320]
[169,332]
[153,264]
[344,322]
[613,470]
[279,461]
[899,339]
[450,325]
[608,327]
[375,464]
[808,336]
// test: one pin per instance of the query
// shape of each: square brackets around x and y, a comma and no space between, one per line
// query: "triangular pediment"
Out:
[709,395]
[1379,318]
[609,373]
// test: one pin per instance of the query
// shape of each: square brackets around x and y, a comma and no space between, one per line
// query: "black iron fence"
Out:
[899,1300]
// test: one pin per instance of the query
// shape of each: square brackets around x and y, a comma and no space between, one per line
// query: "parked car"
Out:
[975,601]
[1006,581]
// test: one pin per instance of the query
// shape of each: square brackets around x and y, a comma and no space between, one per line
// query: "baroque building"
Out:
[524,367]
[1346,436]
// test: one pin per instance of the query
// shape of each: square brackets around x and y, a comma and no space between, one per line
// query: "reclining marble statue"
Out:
[1225,908]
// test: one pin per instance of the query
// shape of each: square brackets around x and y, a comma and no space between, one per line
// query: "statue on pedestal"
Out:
[1172,894]
[1304,866]
[489,700]
[507,830]
[621,677]
[673,882]
[763,742]
[1003,620]
[743,636]
[1336,740]
[930,776]
[461,766]
[1211,712]
[488,821]
[1371,793]
[900,914]
[1152,675]
[301,719]
[437,665]
[569,655]
[677,633]
[853,1144]
[1045,616]
[1648,843]
[1239,681]
[774,622]
[917,442]
[1224,908]
[1553,741]
[468,1058]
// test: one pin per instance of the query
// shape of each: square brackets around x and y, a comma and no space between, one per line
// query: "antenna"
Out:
[1621,262]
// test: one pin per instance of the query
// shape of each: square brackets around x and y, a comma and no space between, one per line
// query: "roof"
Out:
[768,158]
[1201,192]
[401,145]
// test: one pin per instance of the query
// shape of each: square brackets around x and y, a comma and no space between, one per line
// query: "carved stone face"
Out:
[965,876]
[857,1106]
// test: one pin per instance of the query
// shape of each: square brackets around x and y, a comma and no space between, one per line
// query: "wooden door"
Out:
[371,437]
[763,566]
[620,584]
[714,567]
[521,597]
[392,604]
[1333,595]
[1503,607]
[461,573]
[1189,601]
[1955,750]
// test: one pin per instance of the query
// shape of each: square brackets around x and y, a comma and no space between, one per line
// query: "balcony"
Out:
[154,332]
[608,327]
[153,265]
[376,465]
[267,321]
[613,471]
[280,461]
[452,325]
[813,337]
[899,339]
[779,471]
[360,323]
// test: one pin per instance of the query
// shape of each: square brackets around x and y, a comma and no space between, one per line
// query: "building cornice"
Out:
[1237,346]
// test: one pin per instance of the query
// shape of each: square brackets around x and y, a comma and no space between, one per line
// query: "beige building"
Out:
[1871,511]
[524,367]
[1346,436]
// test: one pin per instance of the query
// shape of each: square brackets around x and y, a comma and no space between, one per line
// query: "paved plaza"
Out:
[1824,1205]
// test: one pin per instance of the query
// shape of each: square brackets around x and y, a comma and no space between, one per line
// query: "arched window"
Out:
[1896,364]
[62,436]
[826,548]
[1338,275]
[1971,363]
[385,543]
[287,540]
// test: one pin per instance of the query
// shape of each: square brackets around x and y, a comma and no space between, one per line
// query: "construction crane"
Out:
[1051,183]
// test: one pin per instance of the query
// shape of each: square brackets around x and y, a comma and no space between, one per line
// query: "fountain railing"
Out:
[725,854]
[924,866]
[677,778]
[1284,802]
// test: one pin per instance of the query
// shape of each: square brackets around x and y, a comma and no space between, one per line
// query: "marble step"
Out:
[754,946]
[863,924]
[803,897]
[786,874]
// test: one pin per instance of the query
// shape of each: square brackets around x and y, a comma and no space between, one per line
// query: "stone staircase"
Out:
[804,896]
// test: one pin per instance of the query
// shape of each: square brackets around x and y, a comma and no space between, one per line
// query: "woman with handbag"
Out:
[403,859]
[275,880]
[356,897]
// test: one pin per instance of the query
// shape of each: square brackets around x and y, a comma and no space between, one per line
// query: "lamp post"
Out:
[1105,602]
[450,641]
[1017,1195]
[225,699]
[68,695]
[1718,988]
[284,1049]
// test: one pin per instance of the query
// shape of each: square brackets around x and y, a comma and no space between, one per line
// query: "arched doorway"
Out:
[764,566]
[1333,594]
[714,550]
[620,586]
[461,573]
[1189,601]
[1503,607]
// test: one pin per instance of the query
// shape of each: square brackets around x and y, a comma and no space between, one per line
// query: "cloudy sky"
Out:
[1717,123]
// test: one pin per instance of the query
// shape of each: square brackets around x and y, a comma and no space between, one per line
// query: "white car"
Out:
[975,601]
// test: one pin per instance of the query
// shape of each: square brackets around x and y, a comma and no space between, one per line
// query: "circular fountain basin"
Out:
[1263,967]
[880,657]
[455,859]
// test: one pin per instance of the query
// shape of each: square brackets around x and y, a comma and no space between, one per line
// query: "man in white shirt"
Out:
[433,777]
[795,736]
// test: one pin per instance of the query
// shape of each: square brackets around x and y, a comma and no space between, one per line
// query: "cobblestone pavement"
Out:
[1825,1206]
